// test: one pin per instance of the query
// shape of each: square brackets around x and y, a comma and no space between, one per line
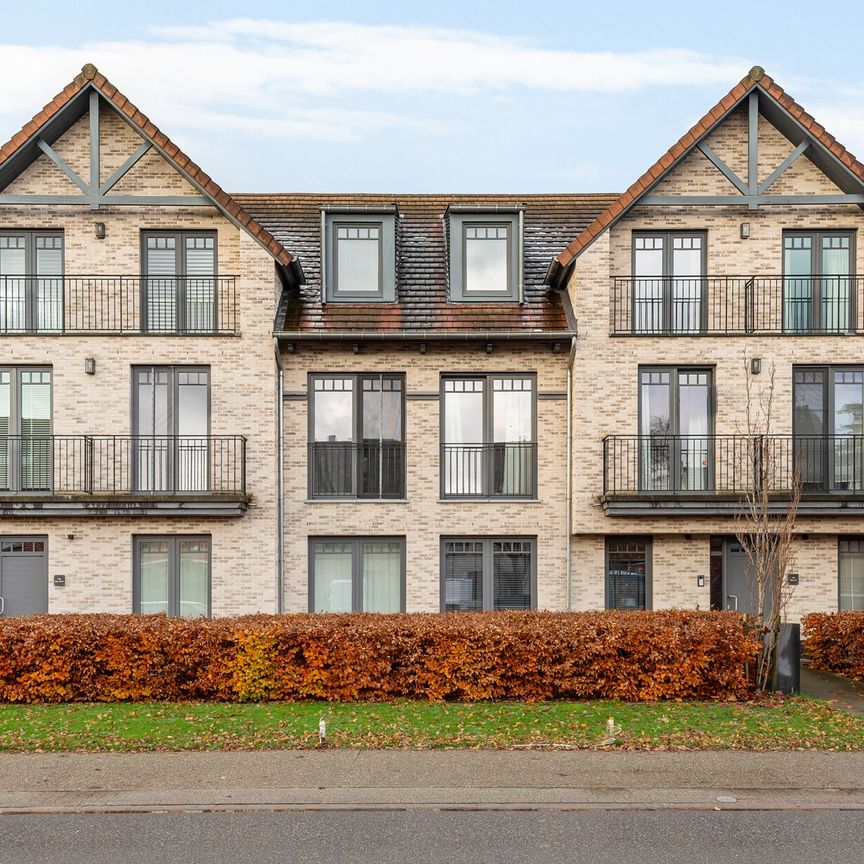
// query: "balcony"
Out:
[704,475]
[121,475]
[373,470]
[111,305]
[735,305]
[504,470]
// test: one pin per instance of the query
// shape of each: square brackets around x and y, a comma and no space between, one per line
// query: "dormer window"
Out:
[360,256]
[485,256]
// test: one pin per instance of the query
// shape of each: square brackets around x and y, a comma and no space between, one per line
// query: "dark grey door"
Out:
[23,576]
[740,590]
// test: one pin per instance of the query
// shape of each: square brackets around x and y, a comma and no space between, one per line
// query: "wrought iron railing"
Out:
[345,470]
[645,306]
[118,304]
[505,470]
[108,465]
[733,464]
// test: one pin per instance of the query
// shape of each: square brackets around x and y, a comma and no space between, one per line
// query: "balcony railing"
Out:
[118,465]
[345,470]
[719,305]
[118,304]
[694,465]
[505,470]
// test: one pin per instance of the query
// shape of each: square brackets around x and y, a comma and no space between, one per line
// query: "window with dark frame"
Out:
[172,576]
[485,256]
[488,436]
[359,256]
[357,574]
[357,436]
[482,574]
[179,289]
[851,574]
[26,445]
[31,281]
[628,573]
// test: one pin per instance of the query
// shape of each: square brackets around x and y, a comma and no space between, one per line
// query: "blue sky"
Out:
[432,97]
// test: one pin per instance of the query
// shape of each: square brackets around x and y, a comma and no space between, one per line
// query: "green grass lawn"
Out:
[795,723]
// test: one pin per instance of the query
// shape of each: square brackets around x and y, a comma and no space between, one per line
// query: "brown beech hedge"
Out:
[835,641]
[531,656]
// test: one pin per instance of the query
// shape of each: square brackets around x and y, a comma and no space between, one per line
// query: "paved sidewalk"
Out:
[355,779]
[845,693]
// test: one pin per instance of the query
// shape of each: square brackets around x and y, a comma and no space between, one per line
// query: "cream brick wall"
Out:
[605,388]
[423,519]
[98,561]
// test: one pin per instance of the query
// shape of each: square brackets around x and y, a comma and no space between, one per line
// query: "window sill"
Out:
[355,500]
[498,499]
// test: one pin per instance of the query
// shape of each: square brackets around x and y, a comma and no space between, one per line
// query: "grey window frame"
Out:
[488,581]
[331,220]
[649,569]
[13,467]
[488,429]
[458,222]
[356,432]
[174,541]
[841,539]
[180,235]
[357,541]
[31,276]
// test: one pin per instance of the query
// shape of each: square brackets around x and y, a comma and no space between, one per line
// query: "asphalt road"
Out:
[411,837]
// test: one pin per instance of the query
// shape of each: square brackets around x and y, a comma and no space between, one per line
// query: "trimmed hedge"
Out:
[531,656]
[835,641]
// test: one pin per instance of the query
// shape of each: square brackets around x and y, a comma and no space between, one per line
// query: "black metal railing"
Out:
[109,465]
[645,306]
[505,470]
[118,304]
[732,464]
[344,470]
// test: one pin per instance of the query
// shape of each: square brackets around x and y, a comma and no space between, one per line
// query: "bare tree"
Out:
[767,524]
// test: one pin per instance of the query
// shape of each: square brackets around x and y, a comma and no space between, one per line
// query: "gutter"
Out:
[280,483]
[426,335]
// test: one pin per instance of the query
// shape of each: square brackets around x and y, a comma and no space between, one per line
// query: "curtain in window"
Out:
[13,283]
[36,443]
[463,576]
[154,562]
[513,432]
[162,270]
[5,428]
[333,566]
[333,448]
[192,423]
[382,576]
[655,429]
[848,429]
[200,283]
[49,283]
[648,258]
[693,418]
[463,437]
[194,579]
[835,284]
[851,576]
[687,284]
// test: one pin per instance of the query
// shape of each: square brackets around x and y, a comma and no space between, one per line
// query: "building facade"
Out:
[217,404]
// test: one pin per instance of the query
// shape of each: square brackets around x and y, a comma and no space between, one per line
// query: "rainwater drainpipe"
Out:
[569,494]
[280,482]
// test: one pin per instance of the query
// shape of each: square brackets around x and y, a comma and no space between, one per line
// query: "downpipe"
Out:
[569,486]
[280,481]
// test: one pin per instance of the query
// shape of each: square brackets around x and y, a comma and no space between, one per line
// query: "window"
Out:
[360,257]
[489,437]
[179,288]
[31,281]
[480,574]
[669,282]
[172,575]
[357,574]
[357,436]
[817,285]
[828,427]
[26,445]
[851,574]
[675,430]
[628,573]
[171,422]
[485,256]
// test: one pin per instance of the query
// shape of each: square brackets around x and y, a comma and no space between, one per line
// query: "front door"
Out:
[740,591]
[23,577]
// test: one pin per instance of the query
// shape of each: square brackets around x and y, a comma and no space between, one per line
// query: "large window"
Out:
[179,288]
[357,435]
[26,446]
[31,281]
[485,256]
[489,436]
[172,576]
[851,574]
[828,427]
[675,428]
[171,419]
[360,257]
[817,285]
[669,282]
[628,573]
[357,574]
[480,574]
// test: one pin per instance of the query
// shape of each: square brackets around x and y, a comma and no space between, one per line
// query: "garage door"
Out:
[23,576]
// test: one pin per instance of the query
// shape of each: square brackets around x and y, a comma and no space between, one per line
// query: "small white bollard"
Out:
[322,731]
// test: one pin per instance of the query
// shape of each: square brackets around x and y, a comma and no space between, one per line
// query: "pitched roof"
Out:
[91,77]
[756,77]
[422,265]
